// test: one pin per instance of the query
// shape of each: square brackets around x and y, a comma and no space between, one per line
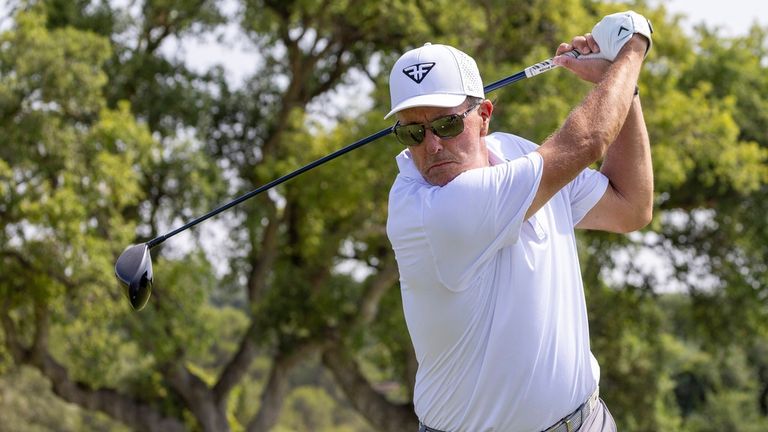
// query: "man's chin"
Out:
[441,178]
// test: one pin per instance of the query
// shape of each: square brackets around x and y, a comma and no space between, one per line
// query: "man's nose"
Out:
[432,142]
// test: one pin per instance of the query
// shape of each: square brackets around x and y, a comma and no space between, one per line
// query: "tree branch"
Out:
[369,302]
[12,343]
[139,416]
[340,67]
[42,325]
[198,397]
[763,397]
[257,279]
[132,412]
[289,98]
[237,366]
[277,387]
[26,263]
[380,412]
[262,264]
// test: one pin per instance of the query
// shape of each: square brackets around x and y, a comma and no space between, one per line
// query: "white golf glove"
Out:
[615,30]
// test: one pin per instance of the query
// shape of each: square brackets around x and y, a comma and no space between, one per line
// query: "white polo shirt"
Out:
[494,303]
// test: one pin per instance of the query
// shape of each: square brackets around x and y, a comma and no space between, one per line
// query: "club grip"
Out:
[546,65]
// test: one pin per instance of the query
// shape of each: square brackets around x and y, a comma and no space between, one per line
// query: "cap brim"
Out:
[430,100]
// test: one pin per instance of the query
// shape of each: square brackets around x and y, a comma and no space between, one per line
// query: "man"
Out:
[482,226]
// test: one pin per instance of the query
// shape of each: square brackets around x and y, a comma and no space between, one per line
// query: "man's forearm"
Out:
[627,163]
[604,110]
[591,127]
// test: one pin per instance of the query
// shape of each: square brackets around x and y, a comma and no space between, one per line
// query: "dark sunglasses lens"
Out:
[448,126]
[410,135]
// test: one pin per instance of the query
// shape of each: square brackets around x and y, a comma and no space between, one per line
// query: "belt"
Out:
[573,421]
[570,423]
[425,428]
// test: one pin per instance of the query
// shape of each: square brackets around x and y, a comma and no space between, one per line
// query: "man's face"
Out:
[440,160]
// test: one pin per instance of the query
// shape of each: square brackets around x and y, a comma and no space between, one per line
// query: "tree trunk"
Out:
[133,413]
[272,398]
[199,398]
[238,365]
[380,412]
[277,387]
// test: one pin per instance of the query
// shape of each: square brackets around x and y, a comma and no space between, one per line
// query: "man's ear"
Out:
[486,111]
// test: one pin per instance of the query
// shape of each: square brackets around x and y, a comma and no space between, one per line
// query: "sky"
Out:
[734,16]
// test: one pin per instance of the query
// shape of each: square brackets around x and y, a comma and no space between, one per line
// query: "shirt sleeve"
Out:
[478,213]
[585,191]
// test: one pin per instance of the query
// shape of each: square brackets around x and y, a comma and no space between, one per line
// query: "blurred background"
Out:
[120,120]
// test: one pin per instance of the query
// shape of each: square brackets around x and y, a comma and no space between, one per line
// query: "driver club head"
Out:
[134,273]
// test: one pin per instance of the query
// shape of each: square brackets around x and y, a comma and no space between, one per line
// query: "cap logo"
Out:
[418,71]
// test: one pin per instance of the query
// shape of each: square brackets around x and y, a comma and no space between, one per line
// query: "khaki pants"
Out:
[599,420]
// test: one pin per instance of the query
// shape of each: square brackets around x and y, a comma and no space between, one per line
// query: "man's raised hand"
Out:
[615,30]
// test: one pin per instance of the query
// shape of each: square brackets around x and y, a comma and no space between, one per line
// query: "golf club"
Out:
[134,266]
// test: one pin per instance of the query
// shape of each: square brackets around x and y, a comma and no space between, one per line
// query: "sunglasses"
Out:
[444,127]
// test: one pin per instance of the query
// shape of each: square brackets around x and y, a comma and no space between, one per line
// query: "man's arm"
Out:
[591,128]
[627,204]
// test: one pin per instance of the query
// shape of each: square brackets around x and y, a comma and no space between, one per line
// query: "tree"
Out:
[70,167]
[107,141]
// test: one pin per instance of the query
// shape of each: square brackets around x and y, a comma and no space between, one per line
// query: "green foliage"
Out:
[386,349]
[627,343]
[175,324]
[64,162]
[244,402]
[105,141]
[73,171]
[735,69]
[310,408]
[728,410]
[28,404]
[58,71]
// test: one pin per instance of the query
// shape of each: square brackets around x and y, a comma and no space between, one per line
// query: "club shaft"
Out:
[157,240]
[527,73]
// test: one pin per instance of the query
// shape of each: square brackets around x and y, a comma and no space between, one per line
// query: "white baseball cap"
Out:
[435,76]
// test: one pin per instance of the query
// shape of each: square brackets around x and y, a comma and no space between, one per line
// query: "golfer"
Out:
[482,226]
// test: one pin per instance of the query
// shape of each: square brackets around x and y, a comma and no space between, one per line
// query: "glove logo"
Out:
[620,29]
[418,71]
